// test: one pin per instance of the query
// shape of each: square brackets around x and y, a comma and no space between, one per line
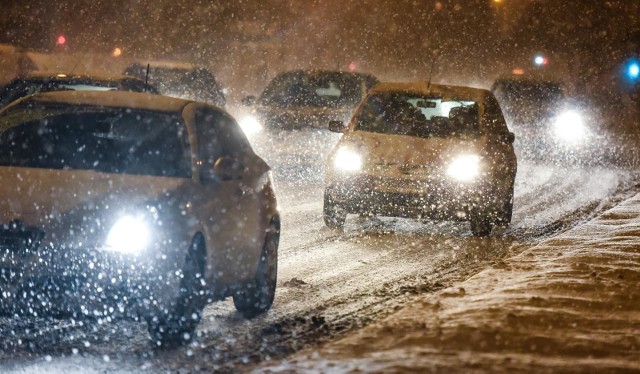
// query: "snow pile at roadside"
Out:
[571,304]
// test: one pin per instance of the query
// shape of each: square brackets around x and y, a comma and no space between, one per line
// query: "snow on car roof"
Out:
[98,76]
[439,90]
[118,99]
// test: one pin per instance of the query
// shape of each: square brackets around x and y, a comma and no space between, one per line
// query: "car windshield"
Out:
[192,84]
[414,114]
[314,90]
[112,141]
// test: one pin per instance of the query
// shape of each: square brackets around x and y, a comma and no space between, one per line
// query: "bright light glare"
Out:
[347,160]
[250,125]
[464,168]
[569,127]
[633,70]
[128,235]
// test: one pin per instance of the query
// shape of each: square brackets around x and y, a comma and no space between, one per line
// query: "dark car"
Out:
[309,98]
[120,204]
[180,79]
[46,82]
[547,123]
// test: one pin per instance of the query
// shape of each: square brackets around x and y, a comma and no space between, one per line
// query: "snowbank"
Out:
[571,304]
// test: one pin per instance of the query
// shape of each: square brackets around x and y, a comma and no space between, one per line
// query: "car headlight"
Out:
[250,125]
[464,168]
[128,235]
[347,160]
[569,127]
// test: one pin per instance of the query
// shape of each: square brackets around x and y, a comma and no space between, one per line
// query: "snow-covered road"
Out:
[330,282]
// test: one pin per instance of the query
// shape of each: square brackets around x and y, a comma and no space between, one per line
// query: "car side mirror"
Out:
[508,137]
[336,126]
[228,168]
[249,100]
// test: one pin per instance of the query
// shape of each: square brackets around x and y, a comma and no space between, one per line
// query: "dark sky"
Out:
[470,38]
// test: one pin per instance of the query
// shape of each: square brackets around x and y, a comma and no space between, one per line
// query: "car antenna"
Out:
[433,61]
[146,78]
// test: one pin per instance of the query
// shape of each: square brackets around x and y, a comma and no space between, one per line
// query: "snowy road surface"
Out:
[570,304]
[329,282]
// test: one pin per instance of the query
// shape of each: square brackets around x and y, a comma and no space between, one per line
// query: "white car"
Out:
[134,205]
[424,151]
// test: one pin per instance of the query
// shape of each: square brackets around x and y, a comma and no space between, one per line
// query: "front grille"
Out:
[17,237]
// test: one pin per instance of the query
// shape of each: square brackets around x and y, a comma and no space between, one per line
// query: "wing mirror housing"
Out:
[249,100]
[508,137]
[336,126]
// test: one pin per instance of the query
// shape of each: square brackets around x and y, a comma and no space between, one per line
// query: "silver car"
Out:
[423,151]
[134,205]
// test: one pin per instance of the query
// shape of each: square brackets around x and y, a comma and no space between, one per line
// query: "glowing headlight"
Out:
[347,160]
[464,168]
[128,235]
[569,127]
[250,125]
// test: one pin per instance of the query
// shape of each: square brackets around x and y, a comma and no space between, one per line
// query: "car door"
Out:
[229,208]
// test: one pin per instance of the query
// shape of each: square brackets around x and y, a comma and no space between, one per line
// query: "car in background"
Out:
[306,99]
[180,79]
[119,204]
[547,124]
[420,150]
[34,82]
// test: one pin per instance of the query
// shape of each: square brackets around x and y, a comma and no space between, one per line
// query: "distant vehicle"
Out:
[118,204]
[546,123]
[306,99]
[420,150]
[34,82]
[182,80]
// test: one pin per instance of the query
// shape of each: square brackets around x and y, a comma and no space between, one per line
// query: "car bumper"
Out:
[85,282]
[436,199]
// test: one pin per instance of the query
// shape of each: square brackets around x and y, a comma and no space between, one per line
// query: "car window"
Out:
[417,114]
[219,136]
[118,141]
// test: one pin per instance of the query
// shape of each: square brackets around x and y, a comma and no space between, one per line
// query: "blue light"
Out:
[633,70]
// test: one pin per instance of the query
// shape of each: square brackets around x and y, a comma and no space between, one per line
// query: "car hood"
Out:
[73,205]
[295,117]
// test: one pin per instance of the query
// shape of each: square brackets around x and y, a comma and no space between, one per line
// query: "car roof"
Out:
[115,99]
[326,72]
[98,77]
[439,90]
[165,64]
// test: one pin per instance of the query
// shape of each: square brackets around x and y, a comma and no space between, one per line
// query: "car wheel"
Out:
[256,296]
[334,215]
[178,325]
[481,226]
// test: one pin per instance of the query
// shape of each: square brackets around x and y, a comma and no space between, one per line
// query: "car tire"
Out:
[334,215]
[177,326]
[256,296]
[481,226]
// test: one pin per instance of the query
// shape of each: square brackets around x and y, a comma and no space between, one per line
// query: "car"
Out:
[38,81]
[547,123]
[180,79]
[427,151]
[306,99]
[132,205]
